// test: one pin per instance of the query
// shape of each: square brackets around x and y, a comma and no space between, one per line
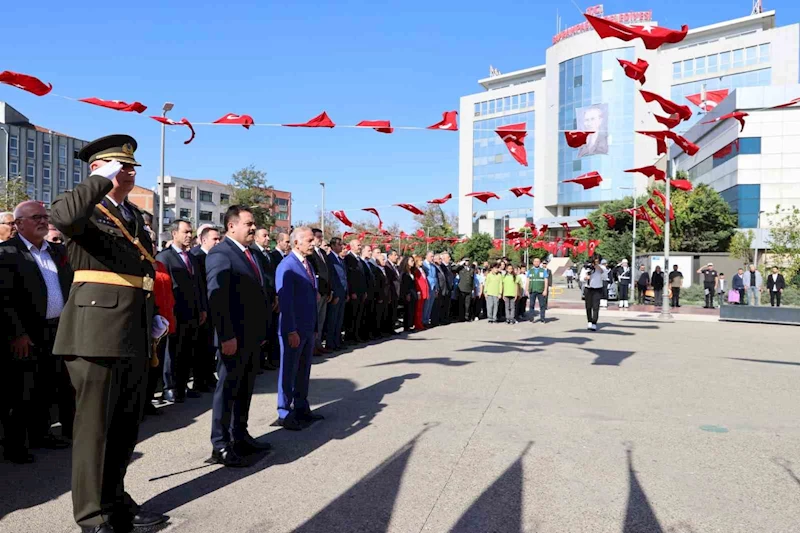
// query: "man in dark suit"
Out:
[298,294]
[106,332]
[35,278]
[775,286]
[393,278]
[260,248]
[205,354]
[191,307]
[335,315]
[282,248]
[382,295]
[238,302]
[466,284]
[444,311]
[357,290]
[443,292]
[367,320]
[317,260]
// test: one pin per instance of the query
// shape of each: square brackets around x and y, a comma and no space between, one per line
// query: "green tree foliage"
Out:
[12,193]
[477,248]
[437,223]
[784,239]
[249,187]
[741,246]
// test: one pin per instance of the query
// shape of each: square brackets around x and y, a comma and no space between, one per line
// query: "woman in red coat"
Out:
[422,292]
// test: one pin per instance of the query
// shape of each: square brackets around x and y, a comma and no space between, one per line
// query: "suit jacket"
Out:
[600,147]
[369,277]
[356,279]
[430,273]
[449,277]
[276,256]
[441,280]
[297,292]
[103,320]
[779,283]
[380,284]
[23,292]
[393,277]
[236,296]
[318,262]
[268,267]
[338,275]
[188,288]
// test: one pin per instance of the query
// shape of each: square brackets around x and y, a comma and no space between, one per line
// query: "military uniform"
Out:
[105,337]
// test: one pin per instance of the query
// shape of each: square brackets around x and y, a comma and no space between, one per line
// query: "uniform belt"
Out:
[103,277]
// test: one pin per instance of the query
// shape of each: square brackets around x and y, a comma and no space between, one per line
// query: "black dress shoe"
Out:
[102,528]
[309,417]
[51,442]
[20,457]
[147,519]
[289,423]
[227,457]
[249,445]
[191,393]
[168,395]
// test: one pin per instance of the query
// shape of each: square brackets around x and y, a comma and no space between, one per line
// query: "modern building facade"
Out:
[45,159]
[581,86]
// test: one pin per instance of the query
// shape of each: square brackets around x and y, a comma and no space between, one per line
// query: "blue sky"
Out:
[286,62]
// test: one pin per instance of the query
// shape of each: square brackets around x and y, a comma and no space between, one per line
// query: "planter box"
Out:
[765,314]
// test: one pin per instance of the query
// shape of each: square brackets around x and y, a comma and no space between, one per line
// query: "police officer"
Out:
[105,332]
[710,277]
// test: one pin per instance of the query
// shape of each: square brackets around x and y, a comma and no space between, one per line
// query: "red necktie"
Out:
[308,271]
[253,264]
[187,262]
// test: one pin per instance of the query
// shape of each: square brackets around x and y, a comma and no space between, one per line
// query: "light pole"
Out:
[758,237]
[167,107]
[505,222]
[322,211]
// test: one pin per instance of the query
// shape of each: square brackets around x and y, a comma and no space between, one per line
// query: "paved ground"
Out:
[640,427]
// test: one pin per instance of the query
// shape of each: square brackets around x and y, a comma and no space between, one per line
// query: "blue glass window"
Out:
[688,68]
[763,53]
[724,61]
[738,58]
[751,55]
[712,63]
[745,201]
[700,65]
[676,70]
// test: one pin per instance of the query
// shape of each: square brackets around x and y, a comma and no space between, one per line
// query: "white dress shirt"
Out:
[55,299]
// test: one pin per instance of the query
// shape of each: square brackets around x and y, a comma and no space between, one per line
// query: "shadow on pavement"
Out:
[444,361]
[529,345]
[343,418]
[603,330]
[639,514]
[609,357]
[769,361]
[786,465]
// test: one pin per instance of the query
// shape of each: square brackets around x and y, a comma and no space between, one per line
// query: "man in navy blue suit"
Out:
[238,302]
[297,292]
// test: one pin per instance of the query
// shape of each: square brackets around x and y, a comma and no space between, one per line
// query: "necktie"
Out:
[253,264]
[126,212]
[308,271]
[187,262]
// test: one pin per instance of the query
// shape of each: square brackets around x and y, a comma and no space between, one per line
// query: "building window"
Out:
[491,106]
[185,213]
[30,173]
[206,216]
[515,102]
[31,148]
[523,101]
[712,63]
[31,191]
[62,154]
[46,176]
[13,146]
[763,53]
[46,198]
[206,196]
[282,202]
[688,68]
[738,58]
[186,194]
[576,165]
[282,216]
[700,65]
[62,178]
[477,111]
[222,219]
[47,150]
[498,108]
[224,199]
[577,81]
[76,176]
[13,168]
[484,108]
[676,70]
[724,61]
[751,55]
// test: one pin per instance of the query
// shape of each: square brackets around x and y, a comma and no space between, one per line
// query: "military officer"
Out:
[105,332]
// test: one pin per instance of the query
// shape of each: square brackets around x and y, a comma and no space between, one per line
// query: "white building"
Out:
[199,201]
[582,80]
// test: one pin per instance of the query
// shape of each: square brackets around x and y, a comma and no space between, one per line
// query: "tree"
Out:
[784,238]
[477,248]
[12,193]
[249,187]
[741,246]
[438,224]
[333,228]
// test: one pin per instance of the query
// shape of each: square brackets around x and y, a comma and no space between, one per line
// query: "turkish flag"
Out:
[320,121]
[420,234]
[655,209]
[712,98]
[651,36]
[593,246]
[116,105]
[566,227]
[543,229]
[581,247]
[448,122]
[409,207]
[656,228]
[183,122]
[588,180]
[514,137]
[670,121]
[585,223]
[687,146]
[663,198]
[738,115]
[727,150]
[232,118]
[610,219]
[684,185]
[403,235]
[522,191]
[483,196]
[576,139]
[635,71]
[659,136]
[25,82]
[651,171]
[668,106]
[787,104]
[346,234]
[342,218]
[381,126]
[440,201]
[375,212]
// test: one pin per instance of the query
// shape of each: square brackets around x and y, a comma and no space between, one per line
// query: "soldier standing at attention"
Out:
[105,332]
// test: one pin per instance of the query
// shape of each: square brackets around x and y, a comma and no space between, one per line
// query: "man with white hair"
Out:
[7,229]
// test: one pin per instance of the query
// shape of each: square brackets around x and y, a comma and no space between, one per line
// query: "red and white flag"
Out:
[25,82]
[588,180]
[448,122]
[576,139]
[411,208]
[738,115]
[670,121]
[375,212]
[440,201]
[342,218]
[585,223]
[116,105]
[381,126]
[661,144]
[651,171]
[183,122]
[240,120]
[651,36]
[522,191]
[668,106]
[708,100]
[611,220]
[514,137]
[663,198]
[684,185]
[656,209]
[320,121]
[790,103]
[483,196]
[635,71]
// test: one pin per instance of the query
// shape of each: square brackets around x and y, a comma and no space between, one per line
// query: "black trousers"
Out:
[109,395]
[774,298]
[640,293]
[592,302]
[204,360]
[464,306]
[20,420]
[408,313]
[230,410]
[709,289]
[355,311]
[444,308]
[179,355]
[676,296]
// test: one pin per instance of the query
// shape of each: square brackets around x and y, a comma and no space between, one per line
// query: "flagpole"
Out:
[665,311]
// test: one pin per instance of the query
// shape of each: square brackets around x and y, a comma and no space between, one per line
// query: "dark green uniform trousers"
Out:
[109,395]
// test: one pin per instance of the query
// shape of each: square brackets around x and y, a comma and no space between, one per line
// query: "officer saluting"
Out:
[105,332]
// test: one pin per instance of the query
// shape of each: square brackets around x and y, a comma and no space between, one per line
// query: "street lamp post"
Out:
[505,224]
[758,237]
[167,107]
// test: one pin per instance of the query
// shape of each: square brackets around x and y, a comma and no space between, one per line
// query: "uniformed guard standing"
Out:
[105,332]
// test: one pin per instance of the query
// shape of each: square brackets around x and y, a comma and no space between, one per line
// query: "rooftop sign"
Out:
[634,17]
